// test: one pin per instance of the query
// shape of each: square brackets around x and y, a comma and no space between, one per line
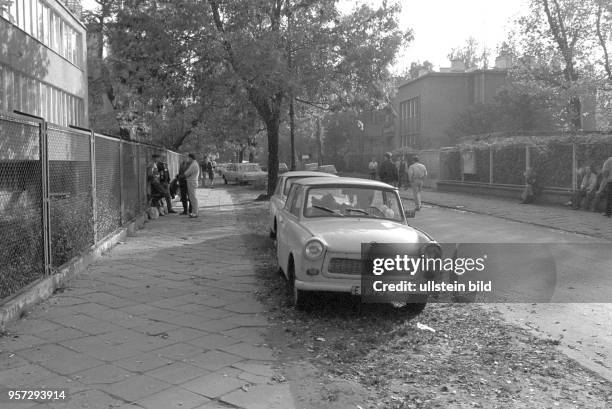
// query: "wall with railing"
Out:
[62,191]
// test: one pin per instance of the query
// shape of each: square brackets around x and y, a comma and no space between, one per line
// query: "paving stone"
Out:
[261,397]
[213,341]
[173,398]
[142,362]
[255,367]
[104,374]
[177,373]
[75,362]
[179,351]
[90,399]
[214,385]
[248,351]
[22,375]
[136,387]
[214,360]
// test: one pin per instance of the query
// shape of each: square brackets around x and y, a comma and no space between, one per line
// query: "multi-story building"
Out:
[43,61]
[427,105]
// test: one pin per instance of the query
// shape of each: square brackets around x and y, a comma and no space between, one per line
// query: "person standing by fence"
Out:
[164,181]
[372,168]
[192,176]
[387,171]
[182,180]
[417,172]
[606,184]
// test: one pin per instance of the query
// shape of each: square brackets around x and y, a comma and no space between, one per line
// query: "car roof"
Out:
[304,173]
[319,181]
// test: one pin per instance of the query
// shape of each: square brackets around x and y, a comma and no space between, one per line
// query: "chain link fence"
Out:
[62,190]
[22,258]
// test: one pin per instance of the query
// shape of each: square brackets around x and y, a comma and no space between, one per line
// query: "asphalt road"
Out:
[575,310]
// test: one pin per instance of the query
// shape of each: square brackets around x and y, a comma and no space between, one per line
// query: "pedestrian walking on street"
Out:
[209,171]
[606,183]
[387,171]
[373,168]
[403,169]
[192,176]
[184,193]
[417,172]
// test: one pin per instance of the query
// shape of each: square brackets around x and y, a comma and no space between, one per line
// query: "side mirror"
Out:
[410,214]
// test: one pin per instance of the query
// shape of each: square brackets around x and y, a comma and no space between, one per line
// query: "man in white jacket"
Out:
[416,175]
[192,175]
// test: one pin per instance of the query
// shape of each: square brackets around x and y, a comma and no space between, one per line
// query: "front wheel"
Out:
[298,297]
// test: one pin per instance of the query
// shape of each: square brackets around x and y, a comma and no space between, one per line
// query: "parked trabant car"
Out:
[244,173]
[323,224]
[277,201]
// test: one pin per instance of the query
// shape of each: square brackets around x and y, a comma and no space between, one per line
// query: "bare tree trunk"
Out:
[292,132]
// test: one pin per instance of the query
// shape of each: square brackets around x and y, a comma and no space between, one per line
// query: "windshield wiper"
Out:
[327,209]
[350,209]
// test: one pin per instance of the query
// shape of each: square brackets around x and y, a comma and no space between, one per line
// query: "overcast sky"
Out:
[440,25]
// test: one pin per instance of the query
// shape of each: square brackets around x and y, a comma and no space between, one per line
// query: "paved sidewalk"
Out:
[546,215]
[166,320]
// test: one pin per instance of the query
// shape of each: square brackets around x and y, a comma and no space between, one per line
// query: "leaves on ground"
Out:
[474,359]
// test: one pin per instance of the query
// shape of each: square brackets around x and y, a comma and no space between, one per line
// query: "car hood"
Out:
[347,234]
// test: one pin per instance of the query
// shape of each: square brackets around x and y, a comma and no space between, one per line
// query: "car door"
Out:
[282,245]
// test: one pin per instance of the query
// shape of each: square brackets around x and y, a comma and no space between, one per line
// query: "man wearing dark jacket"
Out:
[183,187]
[164,181]
[387,171]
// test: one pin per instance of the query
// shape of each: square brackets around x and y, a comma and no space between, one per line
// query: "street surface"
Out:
[170,318]
[583,265]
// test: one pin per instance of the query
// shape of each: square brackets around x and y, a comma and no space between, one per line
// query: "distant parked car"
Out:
[277,201]
[322,227]
[282,168]
[328,169]
[221,168]
[244,173]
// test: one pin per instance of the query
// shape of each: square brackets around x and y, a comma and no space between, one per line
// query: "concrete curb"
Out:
[43,288]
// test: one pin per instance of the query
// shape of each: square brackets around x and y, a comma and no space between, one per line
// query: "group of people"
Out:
[163,189]
[593,186]
[396,174]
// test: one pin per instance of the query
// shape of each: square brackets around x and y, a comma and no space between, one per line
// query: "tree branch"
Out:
[313,104]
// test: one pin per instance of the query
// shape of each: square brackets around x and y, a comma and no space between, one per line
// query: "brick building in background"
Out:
[43,61]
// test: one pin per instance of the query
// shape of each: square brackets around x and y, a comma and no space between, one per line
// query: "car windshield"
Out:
[353,201]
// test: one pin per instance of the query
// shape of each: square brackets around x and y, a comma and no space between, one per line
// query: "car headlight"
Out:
[431,250]
[314,249]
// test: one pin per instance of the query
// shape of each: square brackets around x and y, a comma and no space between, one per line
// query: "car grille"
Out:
[345,266]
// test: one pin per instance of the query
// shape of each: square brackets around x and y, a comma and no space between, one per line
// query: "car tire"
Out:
[273,231]
[413,308]
[298,297]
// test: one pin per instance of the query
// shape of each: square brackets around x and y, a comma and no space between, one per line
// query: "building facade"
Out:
[427,105]
[43,62]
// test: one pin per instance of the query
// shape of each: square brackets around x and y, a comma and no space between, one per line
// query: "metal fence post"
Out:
[44,176]
[94,206]
[527,158]
[491,166]
[574,168]
[121,195]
